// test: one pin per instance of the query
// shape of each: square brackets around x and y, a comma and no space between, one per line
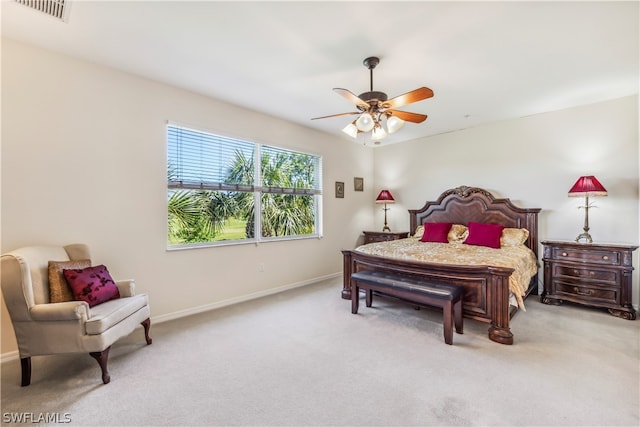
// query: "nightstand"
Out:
[382,236]
[597,275]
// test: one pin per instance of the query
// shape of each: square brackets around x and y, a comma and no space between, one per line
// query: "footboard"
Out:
[486,288]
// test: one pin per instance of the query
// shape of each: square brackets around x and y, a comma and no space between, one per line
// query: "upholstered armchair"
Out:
[74,325]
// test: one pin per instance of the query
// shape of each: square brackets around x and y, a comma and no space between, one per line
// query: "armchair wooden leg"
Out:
[102,357]
[25,364]
[147,325]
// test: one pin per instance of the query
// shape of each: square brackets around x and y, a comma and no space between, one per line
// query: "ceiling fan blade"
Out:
[349,96]
[408,98]
[338,115]
[408,117]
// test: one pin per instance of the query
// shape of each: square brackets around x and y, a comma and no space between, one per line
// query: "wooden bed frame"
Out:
[486,296]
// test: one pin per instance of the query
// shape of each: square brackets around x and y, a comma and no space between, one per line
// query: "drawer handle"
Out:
[580,273]
[589,292]
[605,257]
[564,254]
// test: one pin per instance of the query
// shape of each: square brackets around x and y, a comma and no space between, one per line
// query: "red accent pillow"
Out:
[484,235]
[93,285]
[436,232]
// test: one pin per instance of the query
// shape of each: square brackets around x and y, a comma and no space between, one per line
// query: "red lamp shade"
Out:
[587,186]
[385,197]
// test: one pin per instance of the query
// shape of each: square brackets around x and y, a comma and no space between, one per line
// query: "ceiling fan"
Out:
[373,107]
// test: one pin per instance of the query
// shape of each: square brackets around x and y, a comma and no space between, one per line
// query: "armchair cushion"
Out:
[110,313]
[93,285]
[59,290]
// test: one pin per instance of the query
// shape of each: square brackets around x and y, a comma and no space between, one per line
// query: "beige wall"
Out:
[534,161]
[84,160]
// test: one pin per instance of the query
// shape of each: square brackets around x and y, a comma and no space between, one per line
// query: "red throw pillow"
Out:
[93,285]
[436,232]
[484,235]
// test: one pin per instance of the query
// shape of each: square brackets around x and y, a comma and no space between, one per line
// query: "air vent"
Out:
[59,9]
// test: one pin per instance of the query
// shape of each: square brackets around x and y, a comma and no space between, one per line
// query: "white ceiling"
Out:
[485,61]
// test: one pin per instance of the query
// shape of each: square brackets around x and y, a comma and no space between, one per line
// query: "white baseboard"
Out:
[9,356]
[14,355]
[243,298]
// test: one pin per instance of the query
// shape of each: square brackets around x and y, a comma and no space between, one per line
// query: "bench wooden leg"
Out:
[447,320]
[457,315]
[369,297]
[355,298]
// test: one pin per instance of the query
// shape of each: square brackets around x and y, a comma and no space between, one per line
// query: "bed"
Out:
[487,292]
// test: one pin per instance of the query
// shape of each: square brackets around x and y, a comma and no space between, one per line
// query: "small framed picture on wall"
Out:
[358,184]
[339,190]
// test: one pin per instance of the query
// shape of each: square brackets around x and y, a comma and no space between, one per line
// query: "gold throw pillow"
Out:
[59,290]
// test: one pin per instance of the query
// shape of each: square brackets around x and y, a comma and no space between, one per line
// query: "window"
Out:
[218,194]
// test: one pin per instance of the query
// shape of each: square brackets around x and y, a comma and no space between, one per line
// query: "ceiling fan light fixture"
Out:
[378,132]
[365,123]
[394,124]
[351,130]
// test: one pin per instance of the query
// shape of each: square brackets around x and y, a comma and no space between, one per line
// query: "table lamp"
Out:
[586,186]
[385,197]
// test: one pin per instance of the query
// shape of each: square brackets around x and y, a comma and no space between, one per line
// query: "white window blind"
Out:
[198,160]
[203,161]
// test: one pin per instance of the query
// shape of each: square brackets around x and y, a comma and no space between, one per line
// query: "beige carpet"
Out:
[300,358]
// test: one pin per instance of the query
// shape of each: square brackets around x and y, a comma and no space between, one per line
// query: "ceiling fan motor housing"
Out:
[373,96]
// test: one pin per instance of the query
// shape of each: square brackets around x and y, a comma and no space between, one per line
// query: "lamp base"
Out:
[386,227]
[586,236]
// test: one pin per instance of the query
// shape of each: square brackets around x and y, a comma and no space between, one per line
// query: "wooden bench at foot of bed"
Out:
[448,297]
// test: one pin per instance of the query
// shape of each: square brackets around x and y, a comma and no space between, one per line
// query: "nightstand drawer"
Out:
[585,273]
[586,293]
[383,236]
[589,256]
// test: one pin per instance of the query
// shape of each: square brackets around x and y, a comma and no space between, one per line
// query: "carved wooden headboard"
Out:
[464,204]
